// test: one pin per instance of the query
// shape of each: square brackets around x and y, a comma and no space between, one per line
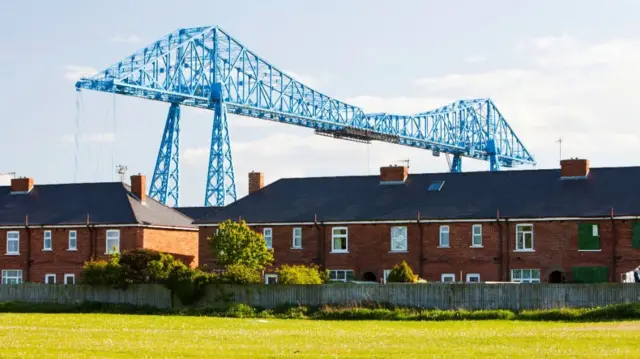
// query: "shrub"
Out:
[402,274]
[300,274]
[236,243]
[101,272]
[240,311]
[240,274]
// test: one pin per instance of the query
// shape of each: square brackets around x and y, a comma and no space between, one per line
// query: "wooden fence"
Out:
[436,295]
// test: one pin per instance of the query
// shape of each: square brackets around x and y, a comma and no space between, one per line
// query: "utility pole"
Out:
[559,142]
[121,170]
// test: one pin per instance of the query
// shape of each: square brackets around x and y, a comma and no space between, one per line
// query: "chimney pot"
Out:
[574,167]
[394,173]
[24,184]
[256,181]
[139,187]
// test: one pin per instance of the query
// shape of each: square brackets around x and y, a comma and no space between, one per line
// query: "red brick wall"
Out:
[179,243]
[555,248]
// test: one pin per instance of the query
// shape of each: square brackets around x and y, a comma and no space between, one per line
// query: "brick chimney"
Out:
[574,167]
[256,181]
[394,173]
[24,184]
[139,187]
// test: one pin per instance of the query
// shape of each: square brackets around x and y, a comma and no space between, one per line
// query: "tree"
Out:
[402,274]
[236,243]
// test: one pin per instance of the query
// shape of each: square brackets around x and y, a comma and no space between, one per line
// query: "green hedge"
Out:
[368,311]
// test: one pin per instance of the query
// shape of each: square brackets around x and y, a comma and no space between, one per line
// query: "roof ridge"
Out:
[129,194]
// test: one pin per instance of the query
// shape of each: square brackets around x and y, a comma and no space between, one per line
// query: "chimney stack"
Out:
[256,181]
[393,174]
[574,167]
[139,187]
[24,184]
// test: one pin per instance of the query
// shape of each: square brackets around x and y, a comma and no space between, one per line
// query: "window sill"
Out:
[476,246]
[589,250]
[338,252]
[72,250]
[392,251]
[12,254]
[524,250]
[47,250]
[444,247]
[296,248]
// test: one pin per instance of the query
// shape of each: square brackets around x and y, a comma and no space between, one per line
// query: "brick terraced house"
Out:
[572,224]
[47,232]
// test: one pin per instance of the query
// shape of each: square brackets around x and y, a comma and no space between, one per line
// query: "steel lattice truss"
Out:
[205,67]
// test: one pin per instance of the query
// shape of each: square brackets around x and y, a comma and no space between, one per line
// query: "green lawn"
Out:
[128,336]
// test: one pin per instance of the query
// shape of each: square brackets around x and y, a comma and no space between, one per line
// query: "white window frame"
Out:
[595,231]
[296,236]
[46,234]
[267,276]
[70,275]
[335,236]
[75,238]
[268,241]
[521,278]
[444,229]
[108,249]
[49,275]
[473,275]
[17,277]
[385,274]
[404,234]
[13,253]
[476,228]
[519,231]
[443,276]
[343,271]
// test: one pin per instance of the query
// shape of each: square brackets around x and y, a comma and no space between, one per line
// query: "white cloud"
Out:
[98,137]
[195,155]
[75,72]
[475,59]
[131,39]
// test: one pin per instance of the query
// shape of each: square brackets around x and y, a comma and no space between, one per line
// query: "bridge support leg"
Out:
[166,176]
[220,178]
[494,164]
[456,164]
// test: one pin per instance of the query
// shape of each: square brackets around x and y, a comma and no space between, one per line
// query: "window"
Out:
[50,279]
[590,274]
[270,279]
[47,241]
[113,241]
[635,235]
[339,240]
[267,233]
[297,238]
[340,275]
[524,237]
[588,237]
[473,278]
[73,240]
[11,276]
[525,275]
[444,236]
[476,235]
[13,242]
[448,278]
[69,279]
[399,239]
[385,274]
[435,186]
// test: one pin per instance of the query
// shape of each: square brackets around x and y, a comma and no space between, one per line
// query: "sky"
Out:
[555,69]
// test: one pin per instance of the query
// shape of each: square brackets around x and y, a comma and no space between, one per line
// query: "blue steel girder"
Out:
[166,175]
[204,67]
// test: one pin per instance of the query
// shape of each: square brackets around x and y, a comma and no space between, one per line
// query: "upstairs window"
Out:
[524,237]
[399,239]
[339,240]
[47,241]
[588,237]
[73,240]
[113,241]
[297,238]
[13,242]
[476,235]
[267,233]
[444,236]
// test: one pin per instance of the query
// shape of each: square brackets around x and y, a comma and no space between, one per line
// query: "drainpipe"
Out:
[92,248]
[320,240]
[500,246]
[420,271]
[614,261]
[508,251]
[28,263]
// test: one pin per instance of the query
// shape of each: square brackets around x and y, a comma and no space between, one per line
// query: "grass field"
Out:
[129,336]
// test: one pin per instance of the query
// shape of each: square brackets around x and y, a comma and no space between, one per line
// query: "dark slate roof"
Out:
[105,203]
[470,195]
[197,212]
